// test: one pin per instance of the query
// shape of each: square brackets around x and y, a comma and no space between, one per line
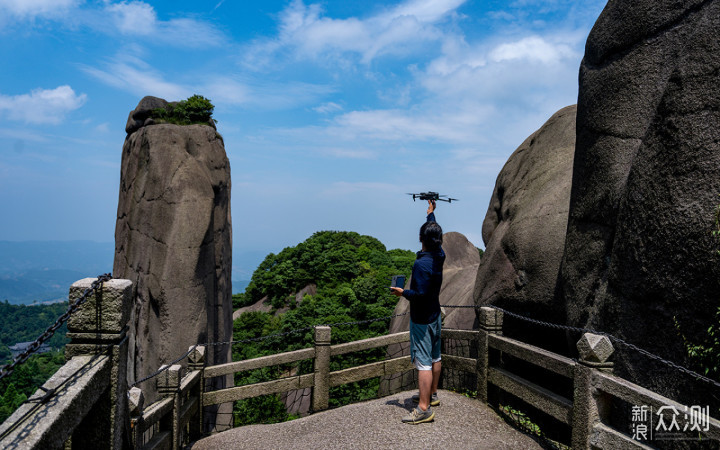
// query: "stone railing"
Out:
[84,404]
[585,411]
[176,420]
[321,380]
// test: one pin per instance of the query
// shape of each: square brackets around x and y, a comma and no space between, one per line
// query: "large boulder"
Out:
[639,254]
[173,241]
[524,228]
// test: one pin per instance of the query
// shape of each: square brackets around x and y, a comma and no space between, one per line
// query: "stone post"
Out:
[491,321]
[136,402]
[99,326]
[590,406]
[196,361]
[321,385]
[168,385]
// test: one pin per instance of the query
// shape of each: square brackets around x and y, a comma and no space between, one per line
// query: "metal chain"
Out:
[608,335]
[506,312]
[164,368]
[666,362]
[261,338]
[361,322]
[35,346]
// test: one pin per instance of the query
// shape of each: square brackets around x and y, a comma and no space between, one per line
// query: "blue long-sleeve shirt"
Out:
[424,292]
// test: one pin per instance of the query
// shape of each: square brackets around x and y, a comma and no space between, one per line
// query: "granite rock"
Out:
[173,241]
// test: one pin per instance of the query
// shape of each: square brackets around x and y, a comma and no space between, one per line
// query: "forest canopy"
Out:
[352,274]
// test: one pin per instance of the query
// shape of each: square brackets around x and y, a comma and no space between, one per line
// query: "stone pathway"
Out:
[460,423]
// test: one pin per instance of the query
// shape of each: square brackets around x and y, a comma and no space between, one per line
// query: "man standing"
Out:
[424,297]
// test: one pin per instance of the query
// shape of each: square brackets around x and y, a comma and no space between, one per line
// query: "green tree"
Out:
[195,109]
[352,274]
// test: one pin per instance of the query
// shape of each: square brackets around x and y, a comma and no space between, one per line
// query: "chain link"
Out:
[261,338]
[504,311]
[35,345]
[614,339]
[164,368]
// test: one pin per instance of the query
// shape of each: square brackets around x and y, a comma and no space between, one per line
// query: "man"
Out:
[424,297]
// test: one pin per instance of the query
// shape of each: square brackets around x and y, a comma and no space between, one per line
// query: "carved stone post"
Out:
[590,406]
[99,326]
[168,385]
[321,388]
[491,321]
[196,361]
[136,402]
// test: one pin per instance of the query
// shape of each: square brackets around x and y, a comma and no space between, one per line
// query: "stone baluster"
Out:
[99,326]
[196,361]
[590,405]
[168,385]
[491,321]
[321,389]
[136,402]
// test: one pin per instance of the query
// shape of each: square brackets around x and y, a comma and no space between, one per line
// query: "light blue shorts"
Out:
[425,343]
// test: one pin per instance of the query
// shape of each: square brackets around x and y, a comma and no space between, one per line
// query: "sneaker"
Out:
[433,399]
[417,416]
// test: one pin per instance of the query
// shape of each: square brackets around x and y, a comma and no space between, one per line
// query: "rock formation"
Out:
[524,229]
[173,240]
[639,252]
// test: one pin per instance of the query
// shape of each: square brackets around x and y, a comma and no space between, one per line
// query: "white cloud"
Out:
[342,188]
[421,124]
[399,31]
[133,75]
[534,49]
[37,8]
[426,10]
[103,127]
[327,108]
[185,32]
[137,18]
[134,17]
[42,105]
[350,153]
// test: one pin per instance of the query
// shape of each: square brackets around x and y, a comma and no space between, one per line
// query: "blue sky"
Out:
[330,110]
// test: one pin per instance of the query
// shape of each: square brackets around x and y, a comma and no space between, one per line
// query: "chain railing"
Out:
[35,345]
[555,326]
[614,339]
[260,338]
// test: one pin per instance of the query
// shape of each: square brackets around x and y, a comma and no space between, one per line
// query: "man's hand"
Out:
[431,206]
[396,291]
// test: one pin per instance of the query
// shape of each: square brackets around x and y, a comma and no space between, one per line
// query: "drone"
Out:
[432,196]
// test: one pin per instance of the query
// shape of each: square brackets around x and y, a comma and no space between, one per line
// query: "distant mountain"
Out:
[42,271]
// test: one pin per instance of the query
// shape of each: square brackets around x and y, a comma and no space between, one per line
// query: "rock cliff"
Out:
[524,229]
[173,240]
[646,178]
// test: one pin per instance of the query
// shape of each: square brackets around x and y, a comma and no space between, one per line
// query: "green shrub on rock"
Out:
[196,109]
